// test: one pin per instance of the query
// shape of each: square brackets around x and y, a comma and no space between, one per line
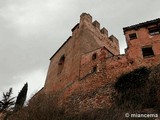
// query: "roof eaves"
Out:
[75,27]
[144,24]
[60,47]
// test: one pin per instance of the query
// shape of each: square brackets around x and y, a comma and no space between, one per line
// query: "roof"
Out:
[65,41]
[75,27]
[144,24]
[60,47]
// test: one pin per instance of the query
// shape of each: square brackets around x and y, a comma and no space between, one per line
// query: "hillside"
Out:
[134,92]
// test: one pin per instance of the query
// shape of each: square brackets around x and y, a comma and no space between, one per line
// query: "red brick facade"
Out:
[90,60]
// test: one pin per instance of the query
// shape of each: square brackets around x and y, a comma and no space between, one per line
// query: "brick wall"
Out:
[84,79]
[86,37]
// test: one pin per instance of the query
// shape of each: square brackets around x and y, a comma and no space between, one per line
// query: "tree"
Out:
[7,101]
[21,97]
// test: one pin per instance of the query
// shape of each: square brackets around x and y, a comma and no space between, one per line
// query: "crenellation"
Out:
[95,60]
[113,38]
[85,17]
[96,24]
[104,31]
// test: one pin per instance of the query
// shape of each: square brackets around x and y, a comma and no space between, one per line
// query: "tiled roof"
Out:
[144,24]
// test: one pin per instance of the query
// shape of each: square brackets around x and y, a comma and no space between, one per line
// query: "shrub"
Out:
[132,80]
[135,94]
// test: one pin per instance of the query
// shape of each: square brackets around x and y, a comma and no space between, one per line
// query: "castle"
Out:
[85,67]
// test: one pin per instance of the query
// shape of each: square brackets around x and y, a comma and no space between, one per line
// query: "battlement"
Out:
[87,19]
[113,39]
[90,59]
[94,29]
[104,31]
[96,24]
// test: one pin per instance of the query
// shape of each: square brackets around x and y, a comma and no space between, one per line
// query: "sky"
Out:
[32,30]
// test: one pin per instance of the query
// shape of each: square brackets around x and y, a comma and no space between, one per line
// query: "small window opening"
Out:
[132,36]
[94,56]
[94,69]
[61,64]
[147,52]
[154,31]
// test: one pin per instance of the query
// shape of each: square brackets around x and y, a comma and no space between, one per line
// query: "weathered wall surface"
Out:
[2,115]
[85,38]
[144,39]
[93,63]
[96,90]
[93,37]
[57,80]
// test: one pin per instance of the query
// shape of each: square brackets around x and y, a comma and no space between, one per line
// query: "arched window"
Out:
[61,64]
[94,56]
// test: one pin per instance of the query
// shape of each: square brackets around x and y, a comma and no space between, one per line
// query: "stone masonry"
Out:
[84,69]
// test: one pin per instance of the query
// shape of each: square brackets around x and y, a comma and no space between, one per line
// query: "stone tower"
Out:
[65,64]
[83,71]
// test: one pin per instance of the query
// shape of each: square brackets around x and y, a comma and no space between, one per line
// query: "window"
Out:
[132,36]
[94,56]
[147,52]
[61,64]
[94,69]
[154,31]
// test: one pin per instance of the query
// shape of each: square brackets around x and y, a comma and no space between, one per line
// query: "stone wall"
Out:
[86,37]
[2,115]
[90,64]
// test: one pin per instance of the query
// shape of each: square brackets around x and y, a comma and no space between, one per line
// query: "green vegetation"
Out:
[132,88]
[137,92]
[7,102]
[138,89]
[8,105]
[21,97]
[133,80]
